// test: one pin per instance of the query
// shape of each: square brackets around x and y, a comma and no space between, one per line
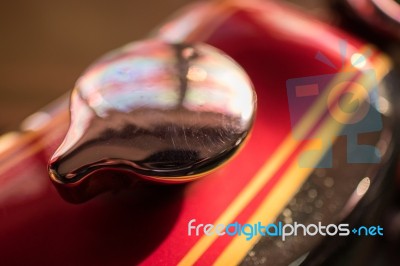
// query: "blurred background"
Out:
[45,45]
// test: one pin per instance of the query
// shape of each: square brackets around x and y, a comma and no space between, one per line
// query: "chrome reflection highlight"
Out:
[363,186]
[168,112]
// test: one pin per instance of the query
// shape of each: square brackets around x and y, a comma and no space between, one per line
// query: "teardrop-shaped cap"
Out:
[155,110]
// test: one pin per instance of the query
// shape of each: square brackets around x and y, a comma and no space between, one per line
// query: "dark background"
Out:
[45,45]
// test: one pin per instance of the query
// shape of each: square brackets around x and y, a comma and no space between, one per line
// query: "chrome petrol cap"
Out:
[165,112]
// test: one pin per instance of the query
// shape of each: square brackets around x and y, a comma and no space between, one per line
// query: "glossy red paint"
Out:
[147,223]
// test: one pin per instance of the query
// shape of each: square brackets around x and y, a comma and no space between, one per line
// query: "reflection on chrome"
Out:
[168,112]
[363,186]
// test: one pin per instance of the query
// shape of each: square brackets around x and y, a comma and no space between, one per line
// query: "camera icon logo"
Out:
[350,100]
